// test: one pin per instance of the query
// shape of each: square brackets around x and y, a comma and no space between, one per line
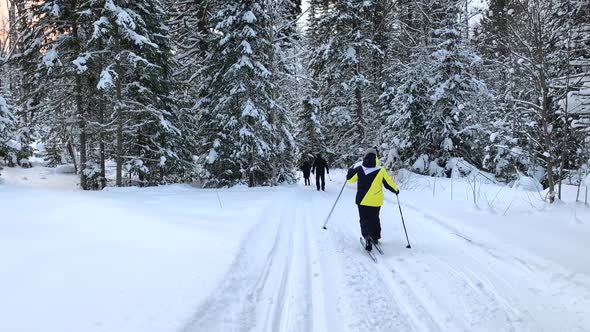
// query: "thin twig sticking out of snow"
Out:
[508,208]
[218,198]
[434,188]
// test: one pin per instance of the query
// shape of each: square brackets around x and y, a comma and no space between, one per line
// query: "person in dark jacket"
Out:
[319,168]
[370,179]
[306,168]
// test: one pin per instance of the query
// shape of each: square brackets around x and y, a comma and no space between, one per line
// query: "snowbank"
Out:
[116,261]
[65,169]
[527,183]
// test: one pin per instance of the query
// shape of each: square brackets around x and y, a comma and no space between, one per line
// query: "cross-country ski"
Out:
[369,252]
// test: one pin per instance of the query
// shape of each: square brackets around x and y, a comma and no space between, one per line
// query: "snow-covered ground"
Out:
[178,258]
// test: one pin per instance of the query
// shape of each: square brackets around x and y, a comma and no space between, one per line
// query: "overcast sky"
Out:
[3,17]
[3,10]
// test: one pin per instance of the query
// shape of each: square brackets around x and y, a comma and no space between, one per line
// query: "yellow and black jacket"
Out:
[371,181]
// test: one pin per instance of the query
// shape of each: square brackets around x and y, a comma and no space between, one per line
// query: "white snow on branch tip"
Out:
[249,17]
[106,80]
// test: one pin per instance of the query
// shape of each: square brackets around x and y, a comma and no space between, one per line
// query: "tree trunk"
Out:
[81,119]
[202,25]
[547,133]
[72,153]
[564,146]
[101,118]
[82,126]
[140,143]
[119,153]
[103,173]
[119,113]
[359,113]
[379,26]
[358,94]
[101,145]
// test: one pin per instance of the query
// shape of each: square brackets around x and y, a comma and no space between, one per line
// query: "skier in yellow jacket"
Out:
[370,179]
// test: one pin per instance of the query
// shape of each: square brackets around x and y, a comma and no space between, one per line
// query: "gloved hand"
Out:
[396,192]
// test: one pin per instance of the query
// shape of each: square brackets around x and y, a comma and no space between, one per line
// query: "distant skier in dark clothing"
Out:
[306,168]
[369,196]
[319,168]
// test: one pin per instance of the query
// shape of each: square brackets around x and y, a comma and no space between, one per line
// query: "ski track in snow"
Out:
[292,276]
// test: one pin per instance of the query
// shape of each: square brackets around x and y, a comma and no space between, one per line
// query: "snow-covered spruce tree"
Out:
[287,12]
[192,31]
[7,145]
[514,55]
[137,77]
[341,54]
[504,152]
[310,132]
[287,76]
[537,46]
[404,98]
[53,38]
[577,79]
[310,136]
[572,17]
[241,117]
[434,108]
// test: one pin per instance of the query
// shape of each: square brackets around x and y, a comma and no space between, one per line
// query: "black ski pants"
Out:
[370,223]
[320,176]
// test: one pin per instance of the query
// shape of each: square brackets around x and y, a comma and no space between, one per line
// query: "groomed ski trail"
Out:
[291,275]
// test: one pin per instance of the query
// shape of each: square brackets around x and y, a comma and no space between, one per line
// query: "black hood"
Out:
[370,160]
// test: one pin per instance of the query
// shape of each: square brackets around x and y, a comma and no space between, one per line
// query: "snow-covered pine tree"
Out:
[341,55]
[288,12]
[578,101]
[192,32]
[571,17]
[310,132]
[433,110]
[537,44]
[406,67]
[53,39]
[136,75]
[310,136]
[7,143]
[240,115]
[287,74]
[458,96]
[502,123]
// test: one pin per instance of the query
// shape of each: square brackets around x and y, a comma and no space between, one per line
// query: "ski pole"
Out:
[329,177]
[333,206]
[403,222]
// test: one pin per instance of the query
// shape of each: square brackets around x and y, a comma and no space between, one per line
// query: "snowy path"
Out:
[173,259]
[292,276]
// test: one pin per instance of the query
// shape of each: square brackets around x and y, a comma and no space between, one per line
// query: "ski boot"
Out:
[368,243]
